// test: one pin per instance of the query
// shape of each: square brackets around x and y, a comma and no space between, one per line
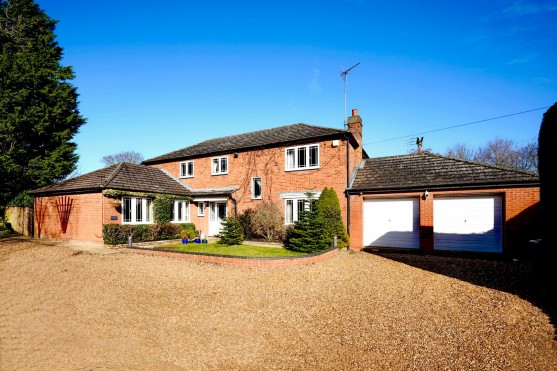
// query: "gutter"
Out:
[452,187]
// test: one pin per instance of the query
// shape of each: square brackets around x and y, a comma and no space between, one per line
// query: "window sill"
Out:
[304,168]
[186,177]
[216,174]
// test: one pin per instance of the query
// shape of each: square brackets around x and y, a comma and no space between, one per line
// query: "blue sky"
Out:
[154,77]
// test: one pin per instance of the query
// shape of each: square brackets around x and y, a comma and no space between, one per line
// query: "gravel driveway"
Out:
[66,309]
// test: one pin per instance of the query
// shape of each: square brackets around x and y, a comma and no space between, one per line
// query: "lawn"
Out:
[234,250]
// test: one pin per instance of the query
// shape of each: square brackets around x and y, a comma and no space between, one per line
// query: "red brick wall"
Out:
[85,220]
[269,164]
[520,214]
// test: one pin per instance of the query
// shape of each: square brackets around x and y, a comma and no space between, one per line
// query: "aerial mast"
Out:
[344,76]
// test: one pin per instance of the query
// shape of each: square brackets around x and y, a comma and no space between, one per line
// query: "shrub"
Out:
[5,228]
[309,234]
[268,220]
[116,234]
[329,207]
[246,223]
[231,233]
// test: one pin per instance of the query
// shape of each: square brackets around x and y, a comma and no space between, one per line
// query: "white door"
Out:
[217,213]
[392,223]
[468,223]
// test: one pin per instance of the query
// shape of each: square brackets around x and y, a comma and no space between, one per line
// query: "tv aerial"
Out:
[344,76]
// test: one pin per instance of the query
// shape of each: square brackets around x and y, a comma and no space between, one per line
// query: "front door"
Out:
[217,213]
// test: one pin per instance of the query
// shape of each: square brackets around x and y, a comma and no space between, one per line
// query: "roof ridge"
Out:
[481,164]
[111,177]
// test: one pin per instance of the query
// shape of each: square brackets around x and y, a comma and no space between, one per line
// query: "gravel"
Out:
[68,309]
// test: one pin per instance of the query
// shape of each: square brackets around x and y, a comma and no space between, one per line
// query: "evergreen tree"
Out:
[38,106]
[328,206]
[231,232]
[547,156]
[309,233]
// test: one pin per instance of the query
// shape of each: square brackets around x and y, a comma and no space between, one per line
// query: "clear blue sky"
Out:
[154,77]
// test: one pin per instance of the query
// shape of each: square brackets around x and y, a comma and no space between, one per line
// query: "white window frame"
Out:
[145,205]
[187,175]
[201,209]
[296,151]
[297,205]
[253,195]
[181,208]
[218,170]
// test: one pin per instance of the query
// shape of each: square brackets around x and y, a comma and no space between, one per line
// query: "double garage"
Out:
[460,223]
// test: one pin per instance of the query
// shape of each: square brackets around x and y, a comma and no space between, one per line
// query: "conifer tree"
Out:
[328,206]
[231,232]
[547,156]
[38,106]
[309,233]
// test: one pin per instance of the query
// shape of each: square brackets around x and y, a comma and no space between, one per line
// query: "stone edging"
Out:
[240,261]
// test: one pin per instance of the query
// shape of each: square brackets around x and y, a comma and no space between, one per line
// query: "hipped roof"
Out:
[123,176]
[279,136]
[429,171]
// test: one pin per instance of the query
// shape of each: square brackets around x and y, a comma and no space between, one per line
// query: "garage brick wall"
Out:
[520,215]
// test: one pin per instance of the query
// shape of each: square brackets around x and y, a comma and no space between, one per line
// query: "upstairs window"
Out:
[186,169]
[302,157]
[256,188]
[219,165]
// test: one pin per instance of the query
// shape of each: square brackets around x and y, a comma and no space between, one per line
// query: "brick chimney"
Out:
[355,127]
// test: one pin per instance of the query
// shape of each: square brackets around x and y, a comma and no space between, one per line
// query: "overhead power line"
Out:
[456,126]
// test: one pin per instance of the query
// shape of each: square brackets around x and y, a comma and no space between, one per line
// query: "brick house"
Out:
[228,175]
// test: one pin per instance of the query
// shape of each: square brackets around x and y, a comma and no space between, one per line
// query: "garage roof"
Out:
[426,170]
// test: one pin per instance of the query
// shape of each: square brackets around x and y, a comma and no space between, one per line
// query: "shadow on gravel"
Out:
[527,279]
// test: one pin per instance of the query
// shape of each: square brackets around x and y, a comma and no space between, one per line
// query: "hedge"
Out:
[116,234]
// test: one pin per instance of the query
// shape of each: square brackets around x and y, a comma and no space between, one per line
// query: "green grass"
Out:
[235,250]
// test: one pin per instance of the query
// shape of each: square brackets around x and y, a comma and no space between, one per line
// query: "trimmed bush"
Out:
[231,233]
[116,234]
[246,223]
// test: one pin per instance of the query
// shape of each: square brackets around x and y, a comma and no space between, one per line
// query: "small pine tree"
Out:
[329,207]
[231,232]
[309,234]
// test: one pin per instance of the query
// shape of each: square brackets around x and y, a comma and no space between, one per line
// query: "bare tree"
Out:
[267,220]
[499,152]
[461,151]
[126,156]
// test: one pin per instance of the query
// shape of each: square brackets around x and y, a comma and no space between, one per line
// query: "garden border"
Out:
[240,261]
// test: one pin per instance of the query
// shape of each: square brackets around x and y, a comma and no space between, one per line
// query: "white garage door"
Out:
[392,223]
[468,223]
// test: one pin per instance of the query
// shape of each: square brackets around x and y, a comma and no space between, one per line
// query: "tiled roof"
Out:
[420,171]
[123,176]
[290,134]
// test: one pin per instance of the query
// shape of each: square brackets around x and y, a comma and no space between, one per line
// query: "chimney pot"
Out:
[354,112]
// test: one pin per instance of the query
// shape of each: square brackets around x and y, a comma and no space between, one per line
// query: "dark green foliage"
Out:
[309,234]
[22,200]
[39,114]
[329,207]
[246,223]
[231,232]
[162,208]
[5,228]
[115,234]
[547,157]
